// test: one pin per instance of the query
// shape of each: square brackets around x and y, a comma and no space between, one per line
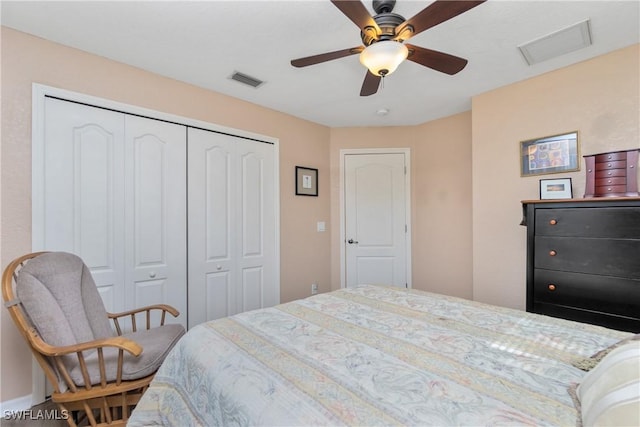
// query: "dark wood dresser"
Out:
[583,260]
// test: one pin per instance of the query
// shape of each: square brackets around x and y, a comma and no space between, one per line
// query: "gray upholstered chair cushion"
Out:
[156,344]
[62,300]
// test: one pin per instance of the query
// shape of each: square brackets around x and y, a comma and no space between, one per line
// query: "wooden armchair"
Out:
[95,372]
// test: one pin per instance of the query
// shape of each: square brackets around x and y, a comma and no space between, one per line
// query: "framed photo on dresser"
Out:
[559,188]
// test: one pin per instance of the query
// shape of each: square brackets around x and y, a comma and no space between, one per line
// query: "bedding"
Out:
[374,355]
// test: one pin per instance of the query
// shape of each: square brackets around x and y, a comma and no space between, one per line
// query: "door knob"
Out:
[351,241]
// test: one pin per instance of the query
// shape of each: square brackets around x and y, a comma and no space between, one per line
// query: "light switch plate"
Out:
[321,226]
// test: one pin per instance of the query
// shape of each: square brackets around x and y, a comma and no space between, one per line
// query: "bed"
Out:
[375,355]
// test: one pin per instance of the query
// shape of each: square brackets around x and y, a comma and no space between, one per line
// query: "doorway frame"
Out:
[407,182]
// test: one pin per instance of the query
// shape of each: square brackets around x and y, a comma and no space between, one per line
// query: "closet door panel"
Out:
[82,191]
[252,179]
[231,225]
[155,173]
[150,216]
[93,199]
[252,289]
[211,221]
[256,256]
[218,192]
[219,295]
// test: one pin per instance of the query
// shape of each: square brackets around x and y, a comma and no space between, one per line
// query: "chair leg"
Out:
[89,412]
[71,415]
[105,412]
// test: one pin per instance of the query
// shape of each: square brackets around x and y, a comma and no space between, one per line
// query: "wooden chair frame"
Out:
[106,403]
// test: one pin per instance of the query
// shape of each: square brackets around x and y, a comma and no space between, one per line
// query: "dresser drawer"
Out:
[594,317]
[614,222]
[620,296]
[608,257]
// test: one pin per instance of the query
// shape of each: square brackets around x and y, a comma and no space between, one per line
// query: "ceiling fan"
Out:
[384,34]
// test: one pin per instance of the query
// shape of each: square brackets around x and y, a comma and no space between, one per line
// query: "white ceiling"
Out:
[204,42]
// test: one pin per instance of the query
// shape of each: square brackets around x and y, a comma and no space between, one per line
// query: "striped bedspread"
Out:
[374,355]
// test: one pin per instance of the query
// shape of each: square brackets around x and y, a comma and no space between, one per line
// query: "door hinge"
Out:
[406,285]
[405,170]
[405,228]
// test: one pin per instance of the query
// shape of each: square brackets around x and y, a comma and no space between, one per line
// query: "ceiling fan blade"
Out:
[439,61]
[358,13]
[434,14]
[323,57]
[370,84]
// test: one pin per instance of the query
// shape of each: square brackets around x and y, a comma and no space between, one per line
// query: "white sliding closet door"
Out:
[156,214]
[232,225]
[82,192]
[113,191]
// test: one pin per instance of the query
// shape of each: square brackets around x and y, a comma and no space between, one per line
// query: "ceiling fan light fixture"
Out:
[382,58]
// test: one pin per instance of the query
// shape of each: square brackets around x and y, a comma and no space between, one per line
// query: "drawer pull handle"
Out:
[553,222]
[552,287]
[553,253]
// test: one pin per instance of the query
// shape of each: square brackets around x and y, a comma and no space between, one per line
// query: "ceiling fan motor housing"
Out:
[387,22]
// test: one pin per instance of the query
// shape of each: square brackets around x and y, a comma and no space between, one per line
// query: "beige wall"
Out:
[598,98]
[440,198]
[27,59]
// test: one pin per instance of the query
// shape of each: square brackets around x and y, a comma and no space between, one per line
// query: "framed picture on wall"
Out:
[551,154]
[556,189]
[306,181]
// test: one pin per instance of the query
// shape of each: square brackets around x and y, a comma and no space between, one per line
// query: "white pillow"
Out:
[610,393]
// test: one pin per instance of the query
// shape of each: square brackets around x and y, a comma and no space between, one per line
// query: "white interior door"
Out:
[232,226]
[376,220]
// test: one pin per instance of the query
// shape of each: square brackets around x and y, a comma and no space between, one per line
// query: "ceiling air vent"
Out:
[567,40]
[245,79]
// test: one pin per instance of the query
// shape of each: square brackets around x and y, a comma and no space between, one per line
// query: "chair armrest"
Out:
[126,344]
[164,307]
[56,355]
[147,310]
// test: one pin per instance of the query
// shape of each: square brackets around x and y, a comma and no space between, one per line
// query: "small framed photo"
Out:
[551,154]
[555,189]
[306,181]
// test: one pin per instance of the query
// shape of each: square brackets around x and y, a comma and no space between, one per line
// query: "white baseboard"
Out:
[16,405]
